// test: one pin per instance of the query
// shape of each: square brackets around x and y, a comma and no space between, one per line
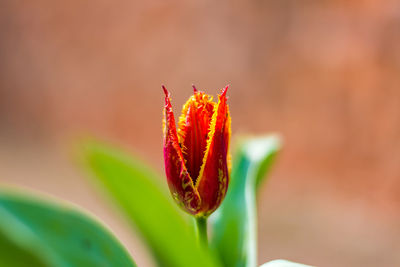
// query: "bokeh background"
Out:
[324,74]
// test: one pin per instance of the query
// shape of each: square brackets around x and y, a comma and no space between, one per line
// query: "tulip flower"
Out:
[196,154]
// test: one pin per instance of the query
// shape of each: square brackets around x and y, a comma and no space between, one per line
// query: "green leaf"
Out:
[137,189]
[13,255]
[234,224]
[283,263]
[36,232]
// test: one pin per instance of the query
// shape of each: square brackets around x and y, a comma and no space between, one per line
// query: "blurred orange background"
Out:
[323,74]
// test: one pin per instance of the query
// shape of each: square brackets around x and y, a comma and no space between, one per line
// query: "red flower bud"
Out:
[196,155]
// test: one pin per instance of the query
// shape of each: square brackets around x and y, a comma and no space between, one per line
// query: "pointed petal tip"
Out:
[165,90]
[194,88]
[223,91]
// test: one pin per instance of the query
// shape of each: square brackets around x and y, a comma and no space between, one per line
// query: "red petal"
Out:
[179,181]
[194,125]
[214,176]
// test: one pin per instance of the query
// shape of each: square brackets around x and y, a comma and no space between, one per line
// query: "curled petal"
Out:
[213,180]
[179,180]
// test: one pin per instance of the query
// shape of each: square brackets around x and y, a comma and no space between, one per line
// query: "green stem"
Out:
[201,225]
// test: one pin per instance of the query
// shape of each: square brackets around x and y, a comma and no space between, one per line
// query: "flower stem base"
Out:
[201,227]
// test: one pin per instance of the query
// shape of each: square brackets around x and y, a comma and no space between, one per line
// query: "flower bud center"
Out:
[193,131]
